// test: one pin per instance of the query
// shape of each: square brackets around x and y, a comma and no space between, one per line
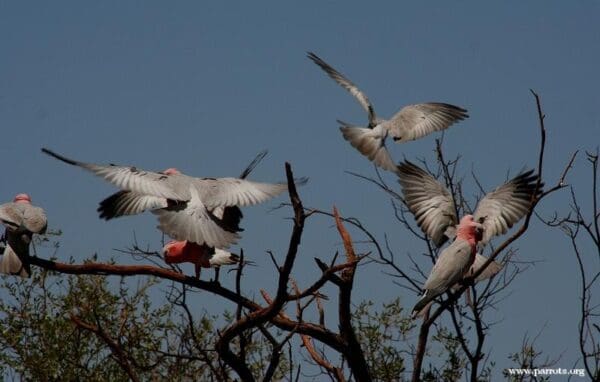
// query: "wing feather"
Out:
[429,201]
[416,121]
[500,209]
[129,178]
[227,192]
[348,85]
[129,203]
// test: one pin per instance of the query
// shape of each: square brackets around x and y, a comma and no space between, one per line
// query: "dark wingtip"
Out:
[109,207]
[259,157]
[59,157]
[301,181]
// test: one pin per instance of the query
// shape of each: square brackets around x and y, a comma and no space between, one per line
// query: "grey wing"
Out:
[450,267]
[500,209]
[192,221]
[10,216]
[129,203]
[129,178]
[34,219]
[429,201]
[232,216]
[228,192]
[348,85]
[491,270]
[416,121]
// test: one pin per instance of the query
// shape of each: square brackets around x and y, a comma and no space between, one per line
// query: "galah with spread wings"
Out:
[410,123]
[433,207]
[131,203]
[190,200]
[202,256]
[21,220]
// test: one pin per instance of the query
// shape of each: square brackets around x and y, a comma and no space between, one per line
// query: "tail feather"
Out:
[422,304]
[11,264]
[369,144]
[221,257]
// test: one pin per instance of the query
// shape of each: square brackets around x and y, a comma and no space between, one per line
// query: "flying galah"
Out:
[21,220]
[190,200]
[131,203]
[410,123]
[202,256]
[452,264]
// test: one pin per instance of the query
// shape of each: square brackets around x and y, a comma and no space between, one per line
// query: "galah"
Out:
[433,207]
[410,123]
[202,256]
[452,264]
[21,220]
[131,203]
[190,200]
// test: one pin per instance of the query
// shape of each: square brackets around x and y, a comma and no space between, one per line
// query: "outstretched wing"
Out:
[346,84]
[416,121]
[227,192]
[129,203]
[429,201]
[128,178]
[500,209]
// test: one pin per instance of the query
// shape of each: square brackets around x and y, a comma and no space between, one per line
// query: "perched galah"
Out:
[190,200]
[202,256]
[453,263]
[21,220]
[433,207]
[410,123]
[131,203]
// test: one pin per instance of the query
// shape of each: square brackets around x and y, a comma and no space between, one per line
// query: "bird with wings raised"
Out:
[410,123]
[190,201]
[131,203]
[22,220]
[433,208]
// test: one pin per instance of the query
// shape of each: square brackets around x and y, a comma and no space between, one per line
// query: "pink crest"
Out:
[22,198]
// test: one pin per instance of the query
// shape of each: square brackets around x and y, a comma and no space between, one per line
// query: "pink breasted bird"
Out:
[453,263]
[190,202]
[433,207]
[22,220]
[201,256]
[410,123]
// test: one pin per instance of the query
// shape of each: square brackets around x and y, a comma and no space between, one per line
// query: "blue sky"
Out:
[204,87]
